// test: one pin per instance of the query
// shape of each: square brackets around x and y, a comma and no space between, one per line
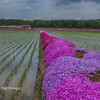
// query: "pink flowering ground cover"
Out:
[57,49]
[92,55]
[82,49]
[56,44]
[64,79]
[76,87]
[48,38]
[48,41]
[62,67]
[52,40]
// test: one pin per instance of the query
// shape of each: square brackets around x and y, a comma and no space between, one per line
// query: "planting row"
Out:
[18,66]
[69,70]
[9,39]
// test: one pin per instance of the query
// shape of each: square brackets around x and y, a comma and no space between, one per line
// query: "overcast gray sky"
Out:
[50,9]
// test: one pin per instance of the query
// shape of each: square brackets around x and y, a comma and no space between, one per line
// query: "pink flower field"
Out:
[68,77]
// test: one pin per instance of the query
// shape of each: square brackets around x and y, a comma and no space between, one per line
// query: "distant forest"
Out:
[54,23]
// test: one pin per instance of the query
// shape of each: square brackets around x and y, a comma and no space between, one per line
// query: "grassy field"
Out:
[18,64]
[89,40]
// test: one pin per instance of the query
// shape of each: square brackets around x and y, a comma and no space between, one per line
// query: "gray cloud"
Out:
[50,9]
[5,2]
[27,8]
[33,4]
[66,2]
[31,1]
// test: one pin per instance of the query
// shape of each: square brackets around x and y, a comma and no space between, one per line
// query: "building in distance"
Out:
[25,26]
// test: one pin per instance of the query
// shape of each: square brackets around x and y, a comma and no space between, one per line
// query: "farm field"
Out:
[19,60]
[89,40]
[18,64]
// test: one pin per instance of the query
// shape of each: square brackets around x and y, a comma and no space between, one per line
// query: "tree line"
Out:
[53,23]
